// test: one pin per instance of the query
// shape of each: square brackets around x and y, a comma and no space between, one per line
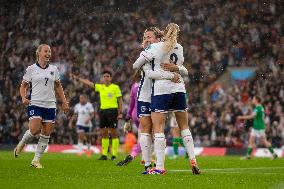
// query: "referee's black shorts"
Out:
[108,118]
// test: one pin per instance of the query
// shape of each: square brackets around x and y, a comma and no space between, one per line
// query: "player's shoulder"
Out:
[53,67]
[115,85]
[31,67]
[89,104]
[154,46]
[178,46]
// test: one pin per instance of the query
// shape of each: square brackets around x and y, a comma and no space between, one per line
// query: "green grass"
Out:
[71,171]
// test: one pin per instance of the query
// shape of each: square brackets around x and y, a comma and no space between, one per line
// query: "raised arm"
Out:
[245,117]
[84,81]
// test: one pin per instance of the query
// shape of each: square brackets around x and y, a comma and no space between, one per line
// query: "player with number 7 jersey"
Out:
[41,81]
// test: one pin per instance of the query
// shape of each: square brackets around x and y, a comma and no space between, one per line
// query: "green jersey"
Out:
[258,121]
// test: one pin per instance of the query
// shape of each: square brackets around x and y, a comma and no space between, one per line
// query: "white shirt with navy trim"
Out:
[41,81]
[156,55]
[84,112]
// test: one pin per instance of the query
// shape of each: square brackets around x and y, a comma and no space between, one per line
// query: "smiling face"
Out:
[44,54]
[149,38]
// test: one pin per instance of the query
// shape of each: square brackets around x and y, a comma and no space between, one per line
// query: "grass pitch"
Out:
[71,171]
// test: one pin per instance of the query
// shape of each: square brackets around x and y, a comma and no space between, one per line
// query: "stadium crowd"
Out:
[88,38]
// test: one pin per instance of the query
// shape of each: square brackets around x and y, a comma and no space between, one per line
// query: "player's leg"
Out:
[158,120]
[88,137]
[268,145]
[35,118]
[180,109]
[104,124]
[136,150]
[81,137]
[182,120]
[251,145]
[105,143]
[113,122]
[48,120]
[176,140]
[146,140]
[115,143]
[47,128]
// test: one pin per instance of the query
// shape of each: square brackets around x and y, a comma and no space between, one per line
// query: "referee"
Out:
[110,111]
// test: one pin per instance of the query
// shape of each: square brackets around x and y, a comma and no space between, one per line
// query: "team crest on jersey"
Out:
[148,47]
[143,108]
[51,73]
[110,95]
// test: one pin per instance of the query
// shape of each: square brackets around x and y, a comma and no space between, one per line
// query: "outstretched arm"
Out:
[160,75]
[246,117]
[84,81]
[175,68]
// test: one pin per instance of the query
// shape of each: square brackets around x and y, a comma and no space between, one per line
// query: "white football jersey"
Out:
[156,55]
[144,89]
[41,81]
[84,113]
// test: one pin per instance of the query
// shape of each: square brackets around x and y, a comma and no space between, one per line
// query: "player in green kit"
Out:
[258,130]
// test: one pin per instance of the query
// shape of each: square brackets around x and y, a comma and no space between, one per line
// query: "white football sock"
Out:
[41,146]
[146,147]
[159,148]
[80,146]
[27,137]
[188,143]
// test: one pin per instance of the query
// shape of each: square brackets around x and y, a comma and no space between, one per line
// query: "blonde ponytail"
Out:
[170,36]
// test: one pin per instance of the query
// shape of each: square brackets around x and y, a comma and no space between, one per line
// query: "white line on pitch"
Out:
[230,169]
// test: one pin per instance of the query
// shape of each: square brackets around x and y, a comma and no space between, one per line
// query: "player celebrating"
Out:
[258,129]
[167,96]
[110,111]
[43,80]
[151,35]
[84,113]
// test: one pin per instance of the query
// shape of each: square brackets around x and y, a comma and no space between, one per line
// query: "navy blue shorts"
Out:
[143,109]
[45,114]
[81,128]
[168,102]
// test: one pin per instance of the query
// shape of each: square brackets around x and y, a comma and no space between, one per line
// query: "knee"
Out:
[35,131]
[114,133]
[104,133]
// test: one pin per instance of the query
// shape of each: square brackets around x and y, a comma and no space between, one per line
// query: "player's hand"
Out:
[65,106]
[119,116]
[87,122]
[176,78]
[126,127]
[169,66]
[26,101]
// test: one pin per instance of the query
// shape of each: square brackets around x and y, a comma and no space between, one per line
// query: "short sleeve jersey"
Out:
[108,95]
